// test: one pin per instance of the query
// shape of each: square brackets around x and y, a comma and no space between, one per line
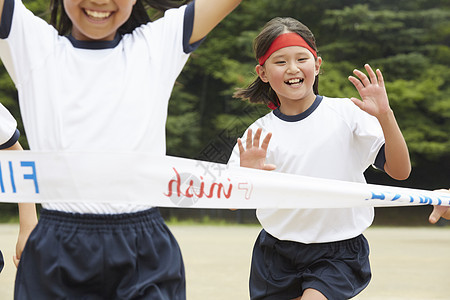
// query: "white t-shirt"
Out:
[95,96]
[8,129]
[333,139]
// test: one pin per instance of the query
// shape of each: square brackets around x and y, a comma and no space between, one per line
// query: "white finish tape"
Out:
[140,178]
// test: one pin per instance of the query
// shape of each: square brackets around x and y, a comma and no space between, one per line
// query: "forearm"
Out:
[398,164]
[208,14]
[28,220]
[27,216]
[27,211]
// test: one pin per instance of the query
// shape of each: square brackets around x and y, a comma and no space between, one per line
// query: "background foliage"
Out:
[409,40]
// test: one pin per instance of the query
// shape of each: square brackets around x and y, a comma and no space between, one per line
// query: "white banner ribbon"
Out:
[140,178]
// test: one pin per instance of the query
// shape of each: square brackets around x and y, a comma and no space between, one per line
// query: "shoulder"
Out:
[338,103]
[264,122]
[173,29]
[19,21]
[340,106]
[16,10]
[355,118]
[342,110]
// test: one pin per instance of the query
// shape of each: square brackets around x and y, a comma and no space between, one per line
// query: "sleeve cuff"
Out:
[11,141]
[380,160]
[7,15]
[188,27]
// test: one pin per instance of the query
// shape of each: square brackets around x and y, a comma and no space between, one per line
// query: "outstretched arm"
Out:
[208,14]
[374,101]
[254,156]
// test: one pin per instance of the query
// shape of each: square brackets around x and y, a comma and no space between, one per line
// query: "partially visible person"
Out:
[9,136]
[440,211]
[27,220]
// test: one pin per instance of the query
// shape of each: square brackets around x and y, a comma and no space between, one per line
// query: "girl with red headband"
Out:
[100,79]
[314,253]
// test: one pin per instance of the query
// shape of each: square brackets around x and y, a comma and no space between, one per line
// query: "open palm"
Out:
[254,155]
[374,99]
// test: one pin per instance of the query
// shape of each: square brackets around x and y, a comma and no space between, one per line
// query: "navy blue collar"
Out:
[95,45]
[301,116]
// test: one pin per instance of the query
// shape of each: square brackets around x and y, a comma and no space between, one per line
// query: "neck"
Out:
[296,107]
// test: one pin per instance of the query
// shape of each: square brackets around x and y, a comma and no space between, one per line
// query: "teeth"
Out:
[98,14]
[294,81]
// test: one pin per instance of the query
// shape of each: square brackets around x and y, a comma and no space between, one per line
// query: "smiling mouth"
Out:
[294,81]
[97,15]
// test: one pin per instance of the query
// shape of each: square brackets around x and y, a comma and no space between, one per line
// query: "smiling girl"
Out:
[314,253]
[100,79]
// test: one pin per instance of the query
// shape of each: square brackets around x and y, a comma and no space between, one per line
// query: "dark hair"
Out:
[259,91]
[61,21]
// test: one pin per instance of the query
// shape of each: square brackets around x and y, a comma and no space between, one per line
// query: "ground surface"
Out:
[407,263]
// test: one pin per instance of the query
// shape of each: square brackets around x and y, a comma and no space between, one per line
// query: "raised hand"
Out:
[374,99]
[254,155]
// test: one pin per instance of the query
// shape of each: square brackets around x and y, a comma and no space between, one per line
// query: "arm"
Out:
[1,8]
[375,102]
[440,211]
[208,14]
[27,219]
[254,156]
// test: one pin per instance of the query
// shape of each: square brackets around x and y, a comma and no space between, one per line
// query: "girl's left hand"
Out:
[254,155]
[374,99]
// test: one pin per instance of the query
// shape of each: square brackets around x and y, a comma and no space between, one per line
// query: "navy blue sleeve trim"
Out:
[12,140]
[188,27]
[7,16]
[380,160]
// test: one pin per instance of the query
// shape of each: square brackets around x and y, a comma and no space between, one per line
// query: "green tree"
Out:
[407,40]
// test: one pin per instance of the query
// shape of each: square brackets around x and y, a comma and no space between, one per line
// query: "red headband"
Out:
[283,41]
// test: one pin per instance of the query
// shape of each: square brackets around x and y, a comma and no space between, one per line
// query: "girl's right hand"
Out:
[254,155]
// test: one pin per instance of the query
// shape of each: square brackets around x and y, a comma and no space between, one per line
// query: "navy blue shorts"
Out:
[2,263]
[284,269]
[90,256]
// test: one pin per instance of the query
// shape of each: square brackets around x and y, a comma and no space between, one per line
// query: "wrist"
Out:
[386,116]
